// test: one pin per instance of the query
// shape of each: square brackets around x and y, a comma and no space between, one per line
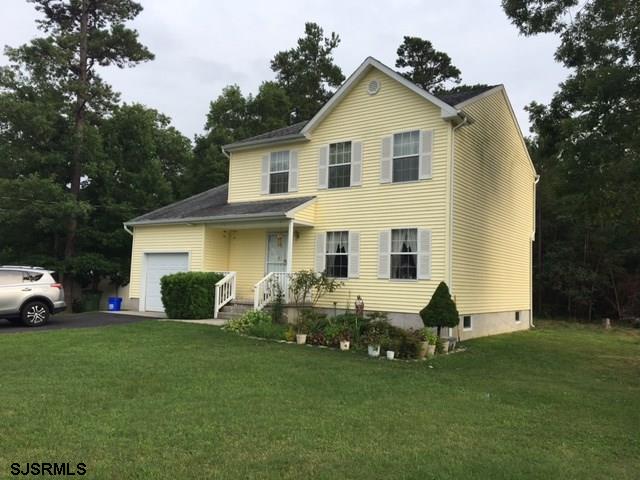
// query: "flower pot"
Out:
[373,350]
[344,345]
[424,346]
[301,338]
[453,341]
[390,354]
[431,350]
[445,345]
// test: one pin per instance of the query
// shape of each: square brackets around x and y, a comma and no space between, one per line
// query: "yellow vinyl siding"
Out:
[247,251]
[493,211]
[216,250]
[368,208]
[306,214]
[165,238]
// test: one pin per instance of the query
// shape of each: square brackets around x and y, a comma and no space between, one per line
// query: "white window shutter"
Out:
[323,167]
[426,154]
[293,171]
[386,159]
[265,174]
[424,254]
[354,254]
[384,254]
[356,163]
[321,258]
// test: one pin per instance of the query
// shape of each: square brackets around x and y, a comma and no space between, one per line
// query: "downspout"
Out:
[465,121]
[224,152]
[533,239]
[127,229]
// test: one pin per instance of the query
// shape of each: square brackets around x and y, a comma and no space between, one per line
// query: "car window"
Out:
[30,277]
[10,277]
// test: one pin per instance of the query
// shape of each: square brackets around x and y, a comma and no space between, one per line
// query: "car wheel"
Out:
[35,314]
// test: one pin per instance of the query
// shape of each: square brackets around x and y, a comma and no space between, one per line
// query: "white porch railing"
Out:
[267,288]
[225,291]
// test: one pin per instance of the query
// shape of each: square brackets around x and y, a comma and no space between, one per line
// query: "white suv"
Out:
[29,295]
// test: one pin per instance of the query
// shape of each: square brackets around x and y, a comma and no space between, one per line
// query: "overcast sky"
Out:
[203,45]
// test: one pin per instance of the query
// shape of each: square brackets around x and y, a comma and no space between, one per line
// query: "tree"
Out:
[81,36]
[427,67]
[441,310]
[586,145]
[307,72]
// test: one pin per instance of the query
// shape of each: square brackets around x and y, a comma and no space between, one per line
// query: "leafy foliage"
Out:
[586,148]
[427,67]
[189,295]
[440,311]
[253,320]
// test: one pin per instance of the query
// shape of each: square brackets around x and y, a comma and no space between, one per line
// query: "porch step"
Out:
[234,309]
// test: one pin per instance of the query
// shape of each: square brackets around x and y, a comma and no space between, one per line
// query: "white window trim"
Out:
[417,155]
[288,170]
[329,165]
[470,327]
[346,254]
[392,253]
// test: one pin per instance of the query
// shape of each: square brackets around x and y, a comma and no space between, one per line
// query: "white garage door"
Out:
[159,265]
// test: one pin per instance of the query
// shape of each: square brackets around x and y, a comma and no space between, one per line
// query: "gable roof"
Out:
[300,130]
[212,206]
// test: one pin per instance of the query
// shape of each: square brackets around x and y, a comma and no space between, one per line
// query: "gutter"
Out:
[533,238]
[127,229]
[265,141]
[221,219]
[465,121]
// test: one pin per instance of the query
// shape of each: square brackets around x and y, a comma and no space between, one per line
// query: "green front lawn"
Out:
[168,400]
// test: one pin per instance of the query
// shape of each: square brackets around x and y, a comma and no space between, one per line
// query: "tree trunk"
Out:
[78,149]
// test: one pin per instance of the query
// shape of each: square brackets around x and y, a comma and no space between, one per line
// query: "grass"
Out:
[168,400]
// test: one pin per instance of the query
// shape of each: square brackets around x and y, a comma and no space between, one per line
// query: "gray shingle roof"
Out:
[454,99]
[212,205]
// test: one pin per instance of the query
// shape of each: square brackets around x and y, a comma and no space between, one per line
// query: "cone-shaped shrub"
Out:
[441,311]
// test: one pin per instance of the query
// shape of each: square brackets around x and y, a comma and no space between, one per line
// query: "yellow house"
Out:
[388,187]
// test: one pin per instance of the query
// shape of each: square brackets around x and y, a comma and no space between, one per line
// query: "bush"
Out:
[441,311]
[189,294]
[253,319]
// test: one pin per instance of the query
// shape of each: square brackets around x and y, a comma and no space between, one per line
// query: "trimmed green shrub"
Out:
[441,311]
[189,295]
[247,321]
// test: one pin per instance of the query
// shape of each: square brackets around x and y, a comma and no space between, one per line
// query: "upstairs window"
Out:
[337,254]
[340,165]
[404,253]
[279,172]
[406,156]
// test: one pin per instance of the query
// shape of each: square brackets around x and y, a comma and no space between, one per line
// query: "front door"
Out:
[277,252]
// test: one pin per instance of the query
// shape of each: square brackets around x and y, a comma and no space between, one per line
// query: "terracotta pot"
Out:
[373,350]
[344,345]
[445,345]
[431,350]
[301,338]
[390,354]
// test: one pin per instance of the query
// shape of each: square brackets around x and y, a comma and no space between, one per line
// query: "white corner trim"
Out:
[447,111]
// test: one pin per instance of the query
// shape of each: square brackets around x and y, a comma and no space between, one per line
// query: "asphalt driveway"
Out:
[74,320]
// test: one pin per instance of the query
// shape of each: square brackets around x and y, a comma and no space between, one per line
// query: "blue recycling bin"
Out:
[115,304]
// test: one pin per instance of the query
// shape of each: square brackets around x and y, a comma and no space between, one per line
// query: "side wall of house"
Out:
[493,218]
[247,252]
[216,250]
[167,239]
[371,207]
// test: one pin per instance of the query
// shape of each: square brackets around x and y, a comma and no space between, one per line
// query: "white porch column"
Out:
[290,247]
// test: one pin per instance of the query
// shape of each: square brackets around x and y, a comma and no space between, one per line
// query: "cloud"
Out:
[201,46]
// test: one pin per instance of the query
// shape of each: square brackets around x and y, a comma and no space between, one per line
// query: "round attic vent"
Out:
[373,87]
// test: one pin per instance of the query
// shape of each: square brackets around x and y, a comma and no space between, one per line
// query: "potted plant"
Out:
[424,343]
[441,312]
[344,336]
[391,347]
[432,339]
[373,337]
[302,329]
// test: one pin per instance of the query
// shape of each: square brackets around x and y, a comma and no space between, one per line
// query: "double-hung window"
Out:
[279,172]
[337,254]
[340,165]
[406,156]
[404,253]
